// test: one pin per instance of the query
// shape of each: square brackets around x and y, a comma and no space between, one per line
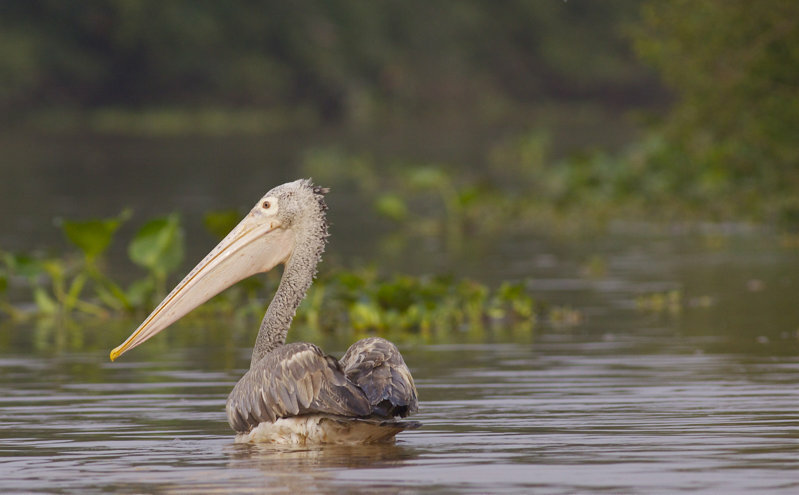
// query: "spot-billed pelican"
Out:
[292,393]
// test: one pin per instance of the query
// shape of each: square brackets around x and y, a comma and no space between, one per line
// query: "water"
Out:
[632,414]
[628,401]
[703,399]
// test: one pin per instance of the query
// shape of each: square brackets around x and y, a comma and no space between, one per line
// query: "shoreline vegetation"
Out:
[719,81]
[60,291]
[724,150]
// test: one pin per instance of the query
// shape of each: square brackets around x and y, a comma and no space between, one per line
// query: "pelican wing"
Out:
[377,367]
[292,380]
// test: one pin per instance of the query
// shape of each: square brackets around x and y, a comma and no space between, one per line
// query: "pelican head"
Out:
[289,215]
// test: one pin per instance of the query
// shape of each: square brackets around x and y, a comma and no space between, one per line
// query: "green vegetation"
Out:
[427,200]
[158,247]
[365,302]
[521,187]
[726,149]
[65,288]
[730,139]
[246,66]
[58,284]
[661,302]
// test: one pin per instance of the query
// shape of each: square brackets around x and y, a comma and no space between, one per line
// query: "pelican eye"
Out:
[266,205]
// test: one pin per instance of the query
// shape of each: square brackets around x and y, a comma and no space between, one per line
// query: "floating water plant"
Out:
[159,248]
[73,284]
[78,286]
[661,302]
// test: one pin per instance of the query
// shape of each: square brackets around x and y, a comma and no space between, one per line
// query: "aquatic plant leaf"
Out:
[72,296]
[24,265]
[428,177]
[364,316]
[54,267]
[3,283]
[468,196]
[392,206]
[219,223]
[94,236]
[140,291]
[520,301]
[158,245]
[351,281]
[44,302]
[397,294]
[509,291]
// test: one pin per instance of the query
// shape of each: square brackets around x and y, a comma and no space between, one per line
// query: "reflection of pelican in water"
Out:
[293,393]
[307,470]
[295,459]
[319,470]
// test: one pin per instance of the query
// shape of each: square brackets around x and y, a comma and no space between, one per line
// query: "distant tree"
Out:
[335,57]
[734,66]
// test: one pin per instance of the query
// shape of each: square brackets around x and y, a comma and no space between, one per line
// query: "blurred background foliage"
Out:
[724,71]
[63,291]
[734,67]
[335,60]
[713,87]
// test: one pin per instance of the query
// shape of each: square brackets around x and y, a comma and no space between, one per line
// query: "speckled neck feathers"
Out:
[310,232]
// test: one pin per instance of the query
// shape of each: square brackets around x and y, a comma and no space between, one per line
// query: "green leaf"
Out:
[75,288]
[93,237]
[158,246]
[44,302]
[364,316]
[219,223]
[55,268]
[3,283]
[140,291]
[468,196]
[392,206]
[24,265]
[110,293]
[427,177]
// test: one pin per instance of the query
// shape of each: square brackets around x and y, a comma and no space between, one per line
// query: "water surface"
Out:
[629,401]
[697,398]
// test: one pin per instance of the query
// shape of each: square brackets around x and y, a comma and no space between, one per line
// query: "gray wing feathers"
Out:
[377,367]
[293,379]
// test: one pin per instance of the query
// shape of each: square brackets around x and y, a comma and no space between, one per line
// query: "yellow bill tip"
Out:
[115,353]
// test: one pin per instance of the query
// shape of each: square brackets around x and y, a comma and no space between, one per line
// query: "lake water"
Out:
[701,397]
[627,401]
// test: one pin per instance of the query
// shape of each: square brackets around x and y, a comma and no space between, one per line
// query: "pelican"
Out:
[292,393]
